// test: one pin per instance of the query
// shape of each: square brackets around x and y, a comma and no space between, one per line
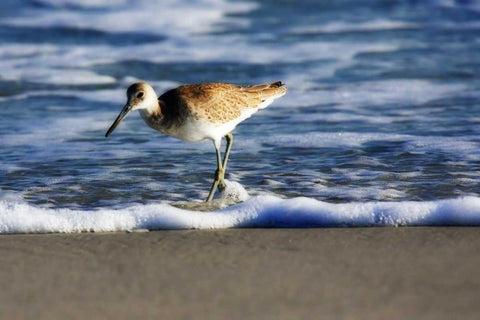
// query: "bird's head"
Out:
[140,95]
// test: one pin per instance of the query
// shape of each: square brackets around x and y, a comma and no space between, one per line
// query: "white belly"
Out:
[194,130]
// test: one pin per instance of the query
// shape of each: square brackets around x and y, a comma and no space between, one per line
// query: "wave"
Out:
[340,26]
[258,212]
[174,18]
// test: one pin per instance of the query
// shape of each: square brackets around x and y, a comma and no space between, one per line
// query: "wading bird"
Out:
[200,111]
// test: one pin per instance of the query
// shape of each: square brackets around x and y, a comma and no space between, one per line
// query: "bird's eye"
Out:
[140,94]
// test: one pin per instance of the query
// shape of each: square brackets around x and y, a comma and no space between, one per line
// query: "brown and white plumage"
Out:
[200,111]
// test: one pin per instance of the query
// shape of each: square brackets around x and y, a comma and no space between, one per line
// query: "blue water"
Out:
[383,108]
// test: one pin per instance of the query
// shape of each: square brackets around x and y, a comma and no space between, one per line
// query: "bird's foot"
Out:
[218,182]
[221,184]
[220,179]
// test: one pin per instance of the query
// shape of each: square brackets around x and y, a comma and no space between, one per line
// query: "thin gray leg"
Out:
[218,174]
[229,138]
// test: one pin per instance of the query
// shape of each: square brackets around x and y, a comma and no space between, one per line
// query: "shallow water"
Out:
[383,101]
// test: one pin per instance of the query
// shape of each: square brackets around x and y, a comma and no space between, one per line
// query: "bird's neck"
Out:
[153,113]
[156,117]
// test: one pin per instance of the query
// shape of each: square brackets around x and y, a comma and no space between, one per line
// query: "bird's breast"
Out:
[189,129]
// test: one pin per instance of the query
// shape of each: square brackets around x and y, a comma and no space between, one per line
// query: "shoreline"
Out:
[348,273]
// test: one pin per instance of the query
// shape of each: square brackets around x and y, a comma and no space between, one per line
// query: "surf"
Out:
[17,216]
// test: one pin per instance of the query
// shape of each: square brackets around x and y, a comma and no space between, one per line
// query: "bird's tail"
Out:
[277,84]
[268,92]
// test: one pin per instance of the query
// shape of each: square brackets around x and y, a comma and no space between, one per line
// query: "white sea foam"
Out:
[234,192]
[51,131]
[52,64]
[159,17]
[69,77]
[467,145]
[111,96]
[373,93]
[54,131]
[380,193]
[88,4]
[472,5]
[25,50]
[60,64]
[373,25]
[264,211]
[51,73]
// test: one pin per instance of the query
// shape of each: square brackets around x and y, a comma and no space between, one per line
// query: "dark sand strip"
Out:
[363,273]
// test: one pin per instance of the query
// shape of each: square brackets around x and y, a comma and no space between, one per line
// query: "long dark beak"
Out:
[119,119]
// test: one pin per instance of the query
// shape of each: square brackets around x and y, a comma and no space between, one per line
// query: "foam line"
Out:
[264,211]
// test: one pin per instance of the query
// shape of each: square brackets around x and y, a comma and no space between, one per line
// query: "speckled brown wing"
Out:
[221,102]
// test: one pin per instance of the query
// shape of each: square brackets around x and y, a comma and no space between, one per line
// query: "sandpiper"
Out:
[200,111]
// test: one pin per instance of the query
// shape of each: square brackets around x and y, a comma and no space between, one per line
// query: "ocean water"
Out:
[380,125]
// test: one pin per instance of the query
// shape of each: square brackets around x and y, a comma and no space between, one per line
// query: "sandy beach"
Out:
[355,273]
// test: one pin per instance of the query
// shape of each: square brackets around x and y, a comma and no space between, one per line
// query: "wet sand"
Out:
[356,273]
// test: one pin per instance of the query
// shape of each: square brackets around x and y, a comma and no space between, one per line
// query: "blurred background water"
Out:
[383,100]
